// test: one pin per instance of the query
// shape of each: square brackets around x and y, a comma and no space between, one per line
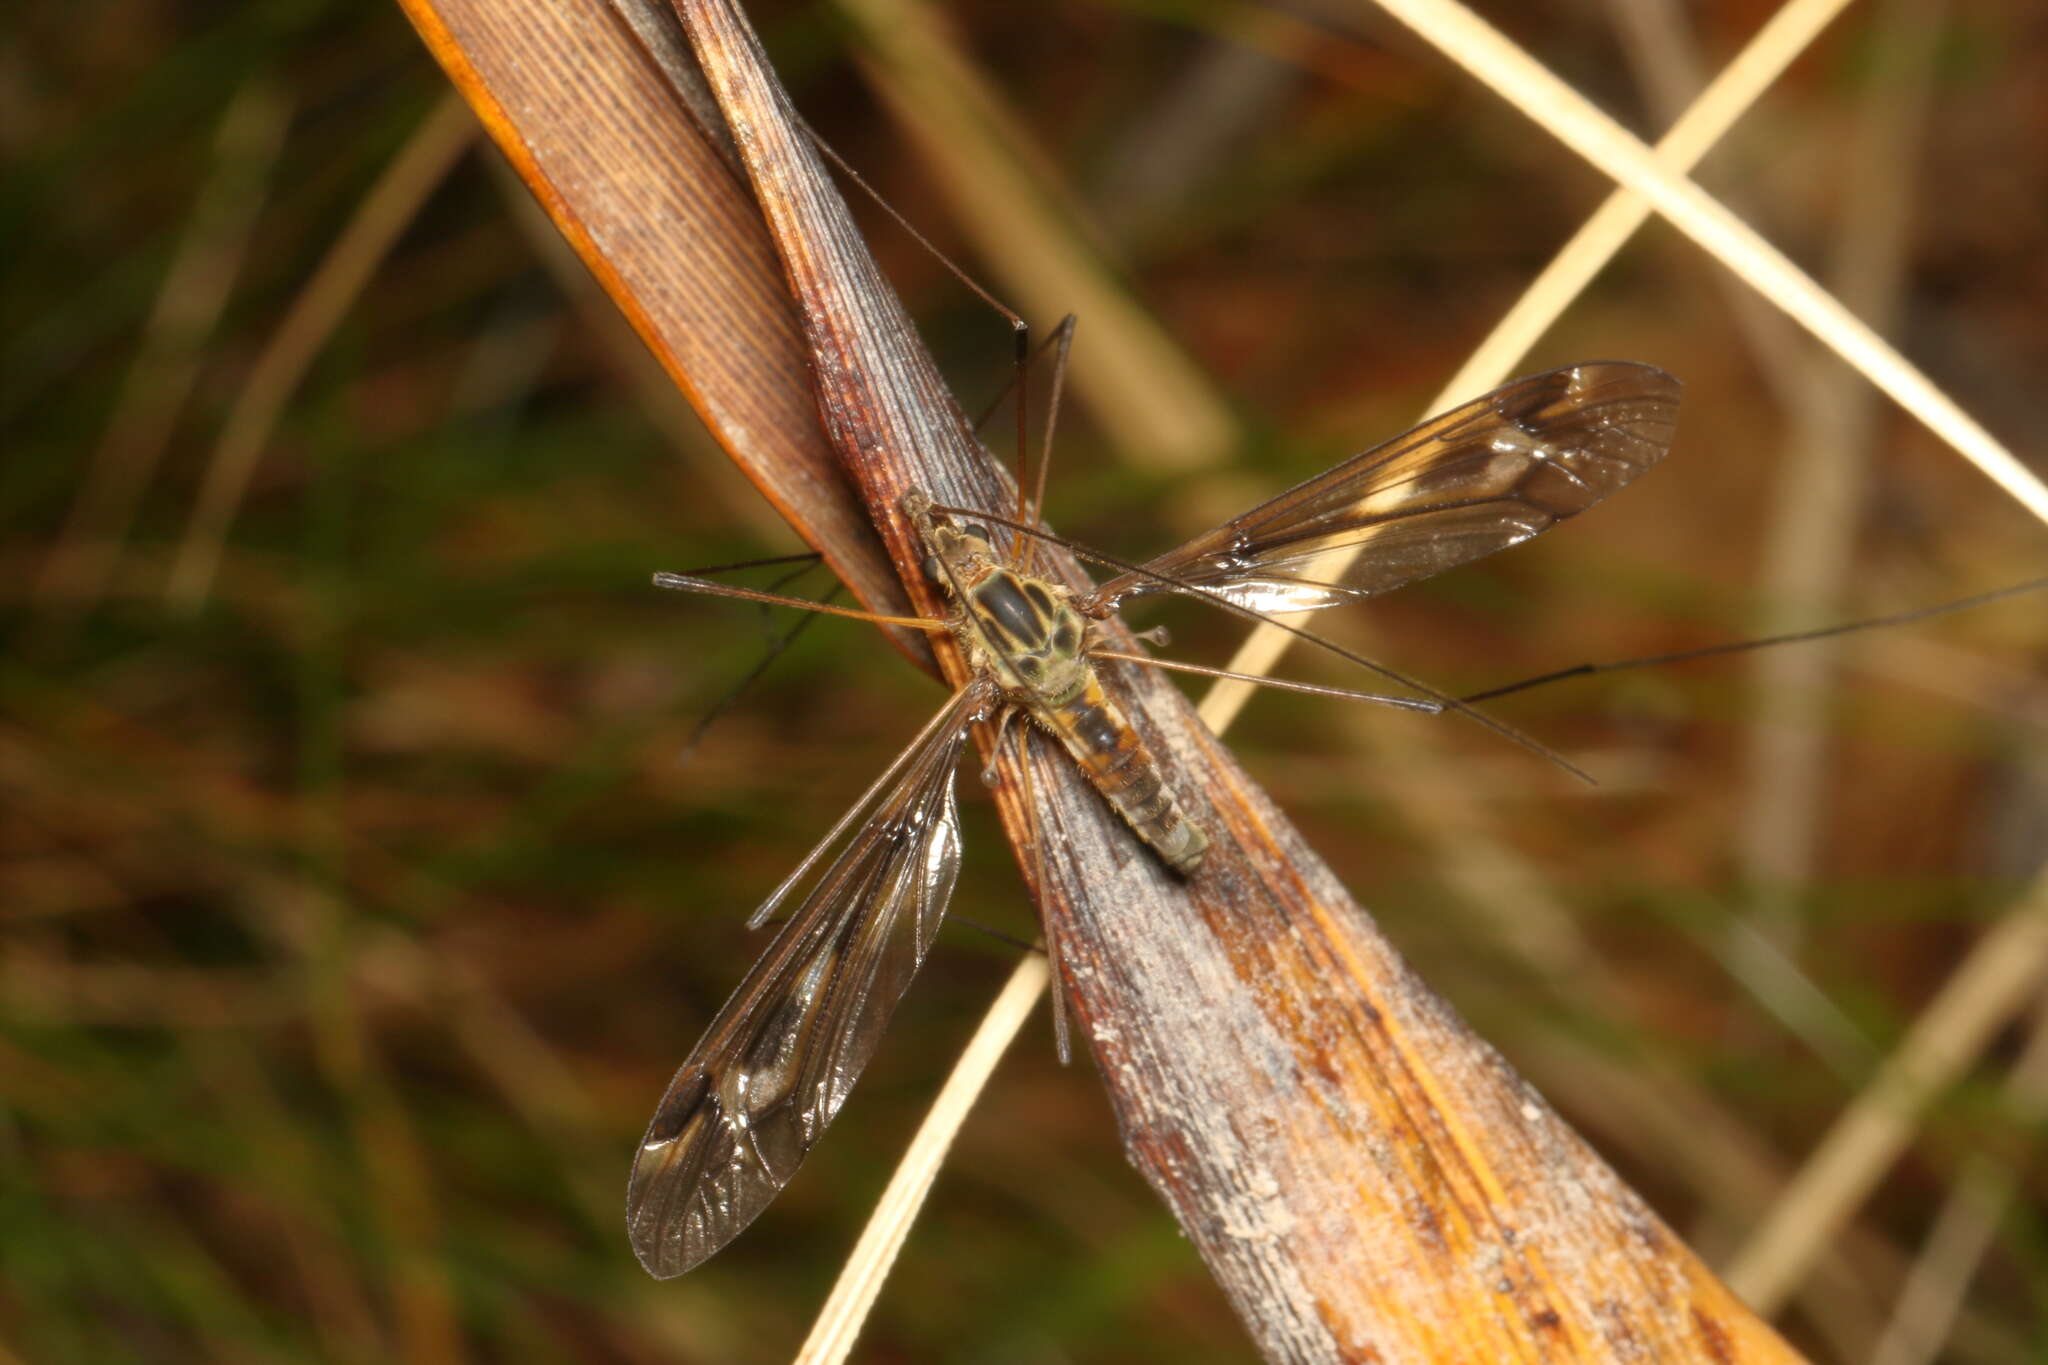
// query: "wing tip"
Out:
[661,1244]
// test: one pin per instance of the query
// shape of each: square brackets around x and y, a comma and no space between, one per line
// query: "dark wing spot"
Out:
[686,1095]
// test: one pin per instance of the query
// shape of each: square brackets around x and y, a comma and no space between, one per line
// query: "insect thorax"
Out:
[1026,635]
[1023,632]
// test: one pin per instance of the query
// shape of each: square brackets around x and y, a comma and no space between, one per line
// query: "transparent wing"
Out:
[781,1056]
[1464,484]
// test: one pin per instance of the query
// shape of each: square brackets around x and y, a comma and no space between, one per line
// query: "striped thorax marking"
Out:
[1026,635]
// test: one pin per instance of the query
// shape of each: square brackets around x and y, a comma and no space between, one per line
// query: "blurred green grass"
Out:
[354,921]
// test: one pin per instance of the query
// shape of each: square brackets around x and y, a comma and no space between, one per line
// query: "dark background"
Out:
[356,911]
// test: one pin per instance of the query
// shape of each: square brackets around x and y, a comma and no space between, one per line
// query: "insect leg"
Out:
[1061,1037]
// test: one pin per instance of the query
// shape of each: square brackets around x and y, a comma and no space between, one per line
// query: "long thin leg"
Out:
[1020,330]
[777,647]
[1003,394]
[1017,324]
[1030,489]
[1898,618]
[1422,704]
[1031,505]
[688,583]
[806,558]
[1062,1040]
[1062,1032]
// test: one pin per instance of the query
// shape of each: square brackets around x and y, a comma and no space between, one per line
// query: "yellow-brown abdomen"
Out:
[1102,741]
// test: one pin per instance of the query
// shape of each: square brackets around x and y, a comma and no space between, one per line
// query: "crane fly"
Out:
[781,1056]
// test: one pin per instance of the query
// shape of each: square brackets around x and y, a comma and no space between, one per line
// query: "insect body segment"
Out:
[1028,636]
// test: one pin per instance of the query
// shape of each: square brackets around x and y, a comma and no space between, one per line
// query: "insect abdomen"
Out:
[1103,743]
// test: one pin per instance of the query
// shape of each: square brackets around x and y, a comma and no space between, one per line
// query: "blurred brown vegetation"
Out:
[358,906]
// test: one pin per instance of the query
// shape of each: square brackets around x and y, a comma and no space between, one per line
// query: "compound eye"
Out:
[978,531]
[934,570]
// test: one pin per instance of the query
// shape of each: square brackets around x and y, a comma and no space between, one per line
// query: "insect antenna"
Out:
[1899,618]
[1443,700]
